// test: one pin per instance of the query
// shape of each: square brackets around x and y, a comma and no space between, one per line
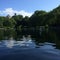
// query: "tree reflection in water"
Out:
[12,36]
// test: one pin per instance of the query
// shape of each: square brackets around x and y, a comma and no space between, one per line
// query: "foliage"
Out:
[38,18]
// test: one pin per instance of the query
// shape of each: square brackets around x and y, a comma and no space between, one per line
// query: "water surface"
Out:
[16,46]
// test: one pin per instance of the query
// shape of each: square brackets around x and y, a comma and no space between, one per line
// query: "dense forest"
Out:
[39,18]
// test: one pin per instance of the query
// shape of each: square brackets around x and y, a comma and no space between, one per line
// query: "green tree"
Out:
[37,18]
[1,21]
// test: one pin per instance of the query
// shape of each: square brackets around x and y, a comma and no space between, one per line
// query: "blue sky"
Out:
[26,6]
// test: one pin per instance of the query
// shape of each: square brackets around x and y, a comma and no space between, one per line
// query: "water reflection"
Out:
[9,43]
[13,38]
[47,45]
[15,45]
[23,42]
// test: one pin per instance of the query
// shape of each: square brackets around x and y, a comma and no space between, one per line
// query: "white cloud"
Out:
[11,12]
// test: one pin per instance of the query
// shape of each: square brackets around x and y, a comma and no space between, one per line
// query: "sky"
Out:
[26,7]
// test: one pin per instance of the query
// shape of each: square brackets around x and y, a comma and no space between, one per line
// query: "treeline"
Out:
[39,18]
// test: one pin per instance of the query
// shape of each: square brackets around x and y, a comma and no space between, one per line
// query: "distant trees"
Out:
[38,18]
[1,21]
[52,17]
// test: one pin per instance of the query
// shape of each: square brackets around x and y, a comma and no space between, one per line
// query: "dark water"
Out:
[34,45]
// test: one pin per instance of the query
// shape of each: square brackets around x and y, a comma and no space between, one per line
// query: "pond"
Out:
[15,45]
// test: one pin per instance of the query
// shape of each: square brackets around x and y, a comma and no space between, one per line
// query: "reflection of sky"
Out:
[49,48]
[12,43]
[25,41]
[47,45]
[9,43]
